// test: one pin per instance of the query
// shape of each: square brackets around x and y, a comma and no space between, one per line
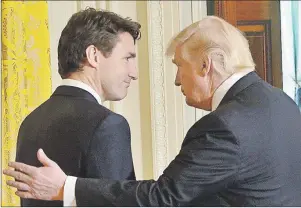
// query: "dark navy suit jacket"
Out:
[245,153]
[83,137]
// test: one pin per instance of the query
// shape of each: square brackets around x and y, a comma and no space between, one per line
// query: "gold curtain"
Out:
[26,75]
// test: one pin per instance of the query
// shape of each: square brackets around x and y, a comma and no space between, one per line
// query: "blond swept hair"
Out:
[214,37]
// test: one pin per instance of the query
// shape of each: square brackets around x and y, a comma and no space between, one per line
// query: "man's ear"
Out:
[93,56]
[205,66]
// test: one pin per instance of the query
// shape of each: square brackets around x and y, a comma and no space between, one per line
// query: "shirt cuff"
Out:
[69,192]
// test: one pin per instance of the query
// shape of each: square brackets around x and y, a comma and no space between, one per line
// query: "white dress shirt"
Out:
[79,84]
[220,92]
[69,187]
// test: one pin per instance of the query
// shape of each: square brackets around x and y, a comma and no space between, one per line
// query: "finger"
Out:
[28,169]
[44,159]
[5,170]
[24,194]
[18,175]
[19,185]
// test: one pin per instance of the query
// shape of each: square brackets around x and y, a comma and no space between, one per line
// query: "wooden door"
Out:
[260,21]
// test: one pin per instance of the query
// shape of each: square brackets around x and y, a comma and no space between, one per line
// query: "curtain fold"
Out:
[26,74]
[291,48]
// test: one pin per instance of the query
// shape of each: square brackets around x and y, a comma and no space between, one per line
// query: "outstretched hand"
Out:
[44,183]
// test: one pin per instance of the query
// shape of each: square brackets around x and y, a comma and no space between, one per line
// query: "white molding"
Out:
[171,116]
[173,94]
[158,107]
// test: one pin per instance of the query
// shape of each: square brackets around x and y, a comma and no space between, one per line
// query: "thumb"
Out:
[44,159]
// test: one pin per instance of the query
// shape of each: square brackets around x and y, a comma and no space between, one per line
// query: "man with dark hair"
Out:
[246,152]
[96,59]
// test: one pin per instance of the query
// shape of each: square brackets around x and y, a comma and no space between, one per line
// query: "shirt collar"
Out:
[81,85]
[221,91]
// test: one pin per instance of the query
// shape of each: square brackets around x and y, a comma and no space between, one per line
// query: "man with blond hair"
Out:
[246,152]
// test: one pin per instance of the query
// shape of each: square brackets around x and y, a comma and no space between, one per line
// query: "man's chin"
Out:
[189,102]
[119,97]
[198,105]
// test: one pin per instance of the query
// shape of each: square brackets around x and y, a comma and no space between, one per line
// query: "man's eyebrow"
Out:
[132,55]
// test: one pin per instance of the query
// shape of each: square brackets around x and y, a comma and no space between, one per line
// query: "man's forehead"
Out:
[177,56]
[126,45]
[126,40]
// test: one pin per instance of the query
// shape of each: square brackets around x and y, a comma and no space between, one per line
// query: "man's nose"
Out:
[134,73]
[178,80]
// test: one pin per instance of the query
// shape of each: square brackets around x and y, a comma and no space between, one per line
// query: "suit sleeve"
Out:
[207,164]
[109,154]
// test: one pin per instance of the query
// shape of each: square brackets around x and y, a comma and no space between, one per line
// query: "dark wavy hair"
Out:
[91,27]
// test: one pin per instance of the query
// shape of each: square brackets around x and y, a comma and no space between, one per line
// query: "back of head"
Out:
[91,27]
[214,37]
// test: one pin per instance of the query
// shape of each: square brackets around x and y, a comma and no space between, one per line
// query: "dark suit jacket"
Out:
[82,136]
[245,153]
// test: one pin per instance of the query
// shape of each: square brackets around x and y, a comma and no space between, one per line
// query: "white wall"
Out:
[154,107]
